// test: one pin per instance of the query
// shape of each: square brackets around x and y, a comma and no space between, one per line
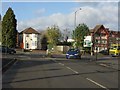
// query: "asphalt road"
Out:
[35,71]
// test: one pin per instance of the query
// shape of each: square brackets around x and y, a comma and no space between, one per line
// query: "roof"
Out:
[97,27]
[91,30]
[29,31]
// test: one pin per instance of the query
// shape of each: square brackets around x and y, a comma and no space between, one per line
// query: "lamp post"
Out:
[75,17]
[92,43]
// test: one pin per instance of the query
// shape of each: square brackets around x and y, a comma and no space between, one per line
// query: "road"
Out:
[36,71]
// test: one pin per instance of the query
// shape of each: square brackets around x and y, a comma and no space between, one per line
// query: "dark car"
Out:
[104,52]
[73,53]
[5,49]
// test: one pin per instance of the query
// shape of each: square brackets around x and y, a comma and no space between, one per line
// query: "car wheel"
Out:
[80,57]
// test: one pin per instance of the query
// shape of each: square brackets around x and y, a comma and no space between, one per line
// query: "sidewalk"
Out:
[19,51]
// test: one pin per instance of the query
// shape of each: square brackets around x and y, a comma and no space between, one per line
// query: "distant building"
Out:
[101,38]
[98,38]
[29,39]
[88,41]
[114,37]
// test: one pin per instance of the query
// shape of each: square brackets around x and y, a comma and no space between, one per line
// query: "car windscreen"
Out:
[73,50]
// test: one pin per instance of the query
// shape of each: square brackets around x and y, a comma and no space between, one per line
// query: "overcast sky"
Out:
[41,15]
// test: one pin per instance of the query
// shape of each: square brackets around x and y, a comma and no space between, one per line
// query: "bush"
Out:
[87,49]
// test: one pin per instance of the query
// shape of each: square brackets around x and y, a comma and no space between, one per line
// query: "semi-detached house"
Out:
[29,39]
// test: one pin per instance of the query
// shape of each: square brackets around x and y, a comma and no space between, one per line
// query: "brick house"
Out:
[29,39]
[114,37]
[100,37]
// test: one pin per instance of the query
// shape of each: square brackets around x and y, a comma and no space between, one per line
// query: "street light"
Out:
[75,16]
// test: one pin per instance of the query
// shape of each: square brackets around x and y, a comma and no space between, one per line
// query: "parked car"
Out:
[73,53]
[104,52]
[5,49]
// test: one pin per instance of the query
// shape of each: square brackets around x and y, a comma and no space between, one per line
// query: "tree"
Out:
[0,32]
[66,34]
[53,34]
[78,34]
[9,32]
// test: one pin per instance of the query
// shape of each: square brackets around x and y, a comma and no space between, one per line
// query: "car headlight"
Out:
[67,54]
[76,54]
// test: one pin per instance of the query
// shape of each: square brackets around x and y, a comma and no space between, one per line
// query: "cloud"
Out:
[103,13]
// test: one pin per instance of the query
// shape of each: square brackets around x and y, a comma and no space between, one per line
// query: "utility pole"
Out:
[92,43]
[75,17]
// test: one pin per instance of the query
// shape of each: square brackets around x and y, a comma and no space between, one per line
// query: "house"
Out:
[100,38]
[88,41]
[29,39]
[114,37]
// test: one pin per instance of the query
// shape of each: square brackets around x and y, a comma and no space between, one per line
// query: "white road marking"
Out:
[104,65]
[97,83]
[61,64]
[72,70]
[8,64]
[86,78]
[69,68]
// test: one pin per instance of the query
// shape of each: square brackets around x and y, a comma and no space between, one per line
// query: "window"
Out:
[99,41]
[27,35]
[27,45]
[104,41]
[35,35]
[35,43]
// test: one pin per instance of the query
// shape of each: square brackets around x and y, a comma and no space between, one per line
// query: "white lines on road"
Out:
[7,64]
[68,68]
[61,64]
[104,65]
[97,83]
[72,70]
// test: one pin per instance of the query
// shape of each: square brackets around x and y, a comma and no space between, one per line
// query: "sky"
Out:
[40,15]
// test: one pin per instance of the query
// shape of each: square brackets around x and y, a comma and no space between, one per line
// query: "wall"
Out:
[62,49]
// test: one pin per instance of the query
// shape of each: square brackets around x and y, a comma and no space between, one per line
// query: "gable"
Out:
[30,31]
